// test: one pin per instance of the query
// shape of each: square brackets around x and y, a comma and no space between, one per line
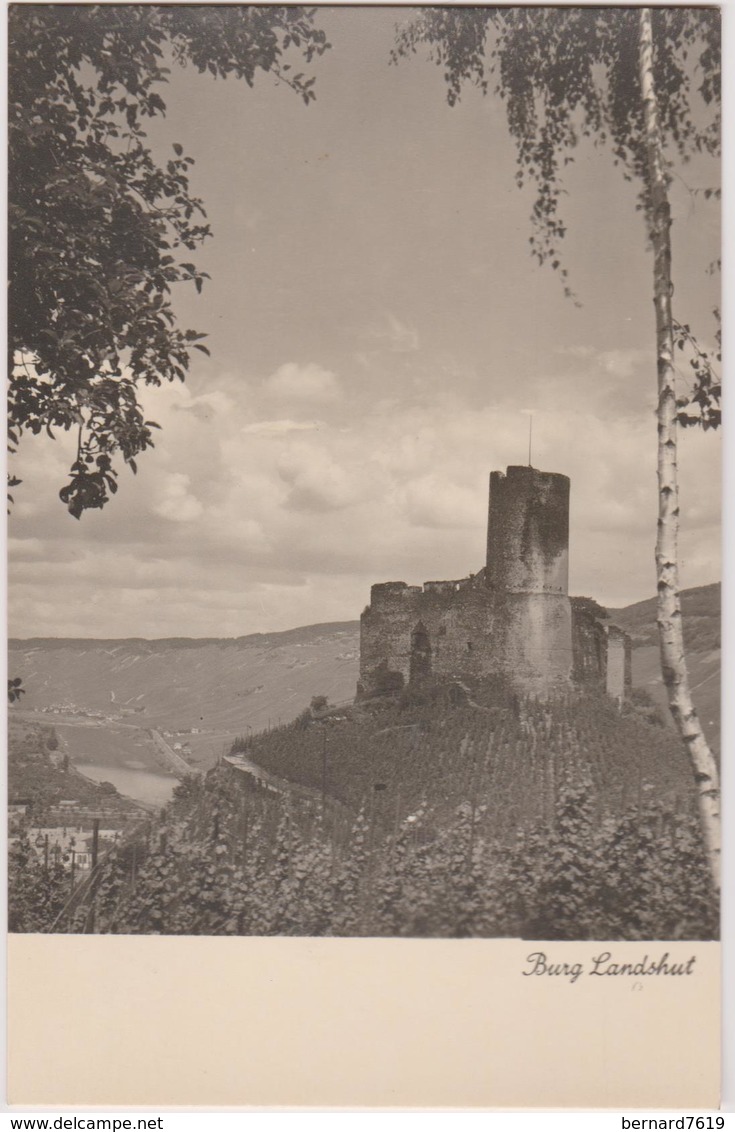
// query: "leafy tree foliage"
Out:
[579,874]
[37,888]
[702,405]
[100,228]
[15,689]
[526,820]
[565,74]
[646,82]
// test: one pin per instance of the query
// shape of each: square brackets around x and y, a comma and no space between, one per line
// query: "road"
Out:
[173,760]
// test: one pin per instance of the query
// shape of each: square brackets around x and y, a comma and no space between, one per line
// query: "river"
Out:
[143,785]
[123,755]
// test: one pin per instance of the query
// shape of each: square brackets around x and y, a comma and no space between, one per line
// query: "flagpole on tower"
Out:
[529,413]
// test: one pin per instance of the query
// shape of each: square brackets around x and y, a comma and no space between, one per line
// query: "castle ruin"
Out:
[514,617]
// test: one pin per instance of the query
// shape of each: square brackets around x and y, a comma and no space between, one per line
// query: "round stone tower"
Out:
[528,571]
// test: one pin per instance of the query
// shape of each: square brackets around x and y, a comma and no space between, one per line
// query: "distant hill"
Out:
[304,635]
[701,608]
[221,688]
[229,687]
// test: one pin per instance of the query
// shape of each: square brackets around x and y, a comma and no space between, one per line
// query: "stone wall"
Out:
[443,629]
[514,617]
[619,663]
[461,629]
[589,642]
[528,532]
[536,639]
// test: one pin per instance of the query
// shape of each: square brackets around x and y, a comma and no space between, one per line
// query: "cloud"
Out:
[27,550]
[401,338]
[206,407]
[247,217]
[431,501]
[309,383]
[618,362]
[284,522]
[577,351]
[393,335]
[622,363]
[316,481]
[175,502]
[279,428]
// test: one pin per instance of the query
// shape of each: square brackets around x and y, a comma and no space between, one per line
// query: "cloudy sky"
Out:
[377,331]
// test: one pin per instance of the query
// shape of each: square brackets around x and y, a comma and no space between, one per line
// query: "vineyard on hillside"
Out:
[496,816]
[505,750]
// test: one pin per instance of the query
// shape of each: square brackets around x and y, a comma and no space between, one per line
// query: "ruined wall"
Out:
[619,663]
[408,633]
[514,617]
[589,642]
[385,628]
[442,628]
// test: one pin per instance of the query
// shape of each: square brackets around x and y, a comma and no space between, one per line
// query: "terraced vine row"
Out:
[509,818]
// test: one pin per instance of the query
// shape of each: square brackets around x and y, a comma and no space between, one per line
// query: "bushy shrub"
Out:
[237,864]
[504,816]
[37,889]
[642,704]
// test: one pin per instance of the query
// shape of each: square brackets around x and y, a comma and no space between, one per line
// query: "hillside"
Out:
[221,688]
[38,773]
[486,815]
[701,608]
[513,753]
[226,688]
[453,810]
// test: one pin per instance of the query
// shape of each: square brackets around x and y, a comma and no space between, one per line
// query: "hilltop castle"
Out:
[514,617]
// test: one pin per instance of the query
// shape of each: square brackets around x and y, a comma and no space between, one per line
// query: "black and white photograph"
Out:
[364,473]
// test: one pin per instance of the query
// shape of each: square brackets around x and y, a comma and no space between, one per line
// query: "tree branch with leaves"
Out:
[101,228]
[646,84]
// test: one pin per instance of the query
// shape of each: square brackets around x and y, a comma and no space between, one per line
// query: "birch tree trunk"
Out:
[671,638]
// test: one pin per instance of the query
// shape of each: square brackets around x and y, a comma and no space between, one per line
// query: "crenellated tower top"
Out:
[528,532]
